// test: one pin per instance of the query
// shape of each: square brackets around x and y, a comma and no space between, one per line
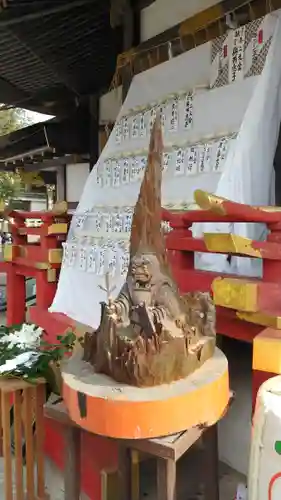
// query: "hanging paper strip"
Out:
[92,259]
[179,167]
[111,260]
[80,220]
[117,222]
[127,220]
[174,117]
[220,155]
[134,169]
[135,127]
[167,159]
[97,221]
[107,174]
[138,167]
[101,261]
[143,162]
[82,257]
[191,161]
[72,254]
[142,125]
[237,55]
[162,112]
[125,129]
[209,158]
[65,258]
[116,173]
[201,158]
[188,111]
[107,222]
[118,132]
[100,174]
[125,171]
[124,260]
[220,61]
[152,118]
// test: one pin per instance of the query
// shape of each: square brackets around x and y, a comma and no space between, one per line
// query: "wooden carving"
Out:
[150,335]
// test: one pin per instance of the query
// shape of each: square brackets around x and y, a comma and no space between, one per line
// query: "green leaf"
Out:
[278,447]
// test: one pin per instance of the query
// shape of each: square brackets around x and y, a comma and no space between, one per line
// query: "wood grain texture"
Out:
[5,399]
[18,435]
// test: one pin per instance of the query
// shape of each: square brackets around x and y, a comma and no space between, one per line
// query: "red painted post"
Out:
[15,291]
[45,291]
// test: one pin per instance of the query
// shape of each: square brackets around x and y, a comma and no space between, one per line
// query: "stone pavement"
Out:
[228,484]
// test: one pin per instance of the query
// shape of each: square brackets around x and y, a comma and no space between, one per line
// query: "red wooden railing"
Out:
[36,252]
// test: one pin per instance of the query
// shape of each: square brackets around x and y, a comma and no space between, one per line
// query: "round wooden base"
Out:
[102,406]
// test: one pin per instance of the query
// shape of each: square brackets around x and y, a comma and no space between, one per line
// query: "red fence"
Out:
[35,252]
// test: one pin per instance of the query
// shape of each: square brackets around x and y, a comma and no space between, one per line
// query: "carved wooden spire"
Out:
[146,234]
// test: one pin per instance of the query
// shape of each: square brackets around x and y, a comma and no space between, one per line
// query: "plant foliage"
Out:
[24,353]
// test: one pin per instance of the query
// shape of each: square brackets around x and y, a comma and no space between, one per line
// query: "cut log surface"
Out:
[118,410]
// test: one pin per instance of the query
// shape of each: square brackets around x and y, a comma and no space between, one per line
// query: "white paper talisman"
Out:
[152,117]
[97,221]
[201,158]
[65,257]
[127,220]
[117,222]
[191,161]
[80,220]
[258,42]
[116,173]
[208,158]
[188,111]
[220,154]
[142,125]
[118,132]
[100,174]
[142,166]
[174,116]
[138,168]
[107,222]
[134,169]
[82,256]
[107,174]
[72,254]
[125,129]
[101,260]
[135,126]
[92,259]
[237,55]
[125,175]
[162,113]
[111,260]
[179,166]
[167,160]
[124,260]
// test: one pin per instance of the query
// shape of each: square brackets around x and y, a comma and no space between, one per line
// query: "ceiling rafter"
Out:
[40,13]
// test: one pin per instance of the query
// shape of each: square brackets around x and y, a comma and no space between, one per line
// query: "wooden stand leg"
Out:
[72,465]
[211,463]
[28,398]
[125,472]
[166,479]
[7,446]
[18,445]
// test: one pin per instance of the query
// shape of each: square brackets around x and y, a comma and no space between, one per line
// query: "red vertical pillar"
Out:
[45,291]
[15,291]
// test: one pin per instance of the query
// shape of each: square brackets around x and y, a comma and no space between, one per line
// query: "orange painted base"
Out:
[104,407]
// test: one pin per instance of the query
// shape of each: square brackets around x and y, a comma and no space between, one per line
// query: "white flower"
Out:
[26,359]
[28,336]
